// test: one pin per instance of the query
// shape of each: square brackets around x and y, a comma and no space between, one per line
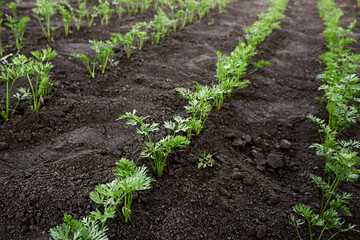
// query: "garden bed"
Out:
[50,161]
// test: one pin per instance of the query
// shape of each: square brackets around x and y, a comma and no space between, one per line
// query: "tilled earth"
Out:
[50,161]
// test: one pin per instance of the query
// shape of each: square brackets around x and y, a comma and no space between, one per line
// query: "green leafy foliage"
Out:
[18,28]
[201,102]
[13,6]
[80,14]
[10,72]
[129,179]
[158,152]
[103,53]
[206,161]
[118,8]
[44,11]
[39,67]
[83,229]
[67,14]
[140,33]
[127,41]
[160,26]
[91,14]
[104,11]
[341,88]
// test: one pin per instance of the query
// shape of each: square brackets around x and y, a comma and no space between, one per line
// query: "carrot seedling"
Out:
[158,152]
[40,68]
[201,102]
[105,12]
[78,229]
[10,72]
[67,15]
[206,161]
[45,10]
[129,179]
[13,6]
[18,28]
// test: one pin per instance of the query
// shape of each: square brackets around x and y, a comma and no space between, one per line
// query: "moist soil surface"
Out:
[50,161]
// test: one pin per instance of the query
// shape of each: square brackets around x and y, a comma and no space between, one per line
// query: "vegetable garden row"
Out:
[179,139]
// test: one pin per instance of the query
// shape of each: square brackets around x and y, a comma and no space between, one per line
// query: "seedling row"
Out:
[341,90]
[201,103]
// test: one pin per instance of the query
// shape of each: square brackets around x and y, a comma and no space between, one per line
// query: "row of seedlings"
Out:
[134,39]
[341,90]
[46,9]
[231,70]
[130,178]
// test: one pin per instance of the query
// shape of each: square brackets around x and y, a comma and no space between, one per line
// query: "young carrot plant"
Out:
[105,12]
[10,72]
[140,35]
[160,26]
[191,6]
[40,68]
[158,152]
[91,67]
[181,15]
[205,7]
[78,229]
[81,13]
[127,41]
[341,165]
[67,14]
[201,102]
[45,9]
[91,14]
[118,8]
[206,161]
[103,53]
[129,179]
[13,6]
[230,69]
[18,28]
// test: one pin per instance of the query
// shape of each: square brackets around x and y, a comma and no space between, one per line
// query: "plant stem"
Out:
[332,189]
[322,232]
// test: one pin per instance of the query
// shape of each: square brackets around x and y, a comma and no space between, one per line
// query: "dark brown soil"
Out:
[50,161]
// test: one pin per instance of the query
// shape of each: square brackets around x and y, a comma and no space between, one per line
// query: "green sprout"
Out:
[13,6]
[105,12]
[85,229]
[206,161]
[141,36]
[67,14]
[160,26]
[118,8]
[201,102]
[158,152]
[45,9]
[18,28]
[40,68]
[10,72]
[81,13]
[127,41]
[91,15]
[103,53]
[129,179]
